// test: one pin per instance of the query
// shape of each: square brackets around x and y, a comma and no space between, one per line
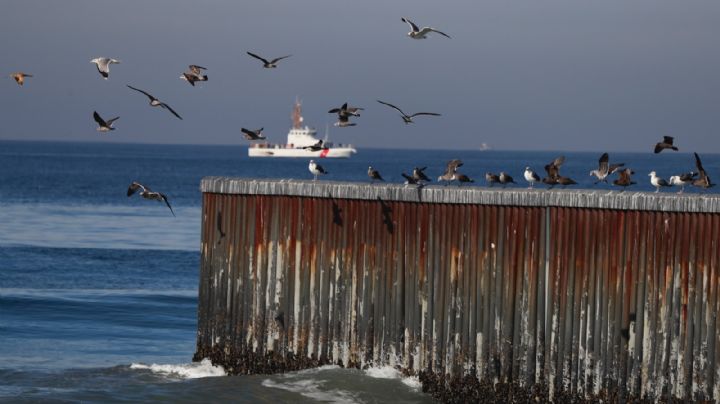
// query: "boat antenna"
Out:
[327,128]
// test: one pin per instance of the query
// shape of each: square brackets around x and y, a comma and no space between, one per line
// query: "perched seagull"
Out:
[531,177]
[146,193]
[316,169]
[604,169]
[253,134]
[492,179]
[450,169]
[195,74]
[624,179]
[410,180]
[419,33]
[20,77]
[505,179]
[657,182]
[553,171]
[682,180]
[271,64]
[407,118]
[565,181]
[702,181]
[419,174]
[103,65]
[154,102]
[462,178]
[103,125]
[315,147]
[667,143]
[374,174]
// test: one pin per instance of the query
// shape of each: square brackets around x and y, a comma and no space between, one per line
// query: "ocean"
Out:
[98,291]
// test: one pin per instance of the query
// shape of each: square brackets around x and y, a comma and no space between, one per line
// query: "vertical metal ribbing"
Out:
[579,300]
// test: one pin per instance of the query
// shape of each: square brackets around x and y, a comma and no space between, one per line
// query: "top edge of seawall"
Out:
[452,194]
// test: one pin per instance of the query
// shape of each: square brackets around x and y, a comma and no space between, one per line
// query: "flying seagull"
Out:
[419,33]
[268,64]
[154,102]
[103,65]
[624,180]
[531,177]
[657,182]
[20,77]
[374,174]
[103,125]
[407,118]
[702,181]
[667,143]
[604,169]
[253,134]
[344,110]
[450,169]
[194,74]
[682,180]
[316,169]
[146,193]
[505,179]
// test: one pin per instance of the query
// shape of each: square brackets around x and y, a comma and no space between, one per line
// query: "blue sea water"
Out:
[98,291]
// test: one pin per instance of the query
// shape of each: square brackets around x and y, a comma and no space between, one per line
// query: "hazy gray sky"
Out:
[528,74]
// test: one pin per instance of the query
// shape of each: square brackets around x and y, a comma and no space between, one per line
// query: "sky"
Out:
[613,75]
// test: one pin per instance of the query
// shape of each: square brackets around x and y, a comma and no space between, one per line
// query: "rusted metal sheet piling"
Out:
[484,293]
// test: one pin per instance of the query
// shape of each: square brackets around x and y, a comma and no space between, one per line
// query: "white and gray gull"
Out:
[154,102]
[420,33]
[146,193]
[103,65]
[407,118]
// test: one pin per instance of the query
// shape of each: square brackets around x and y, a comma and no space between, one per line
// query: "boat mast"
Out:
[297,115]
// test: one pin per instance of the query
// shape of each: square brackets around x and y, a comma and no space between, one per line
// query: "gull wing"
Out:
[144,92]
[134,187]
[412,25]
[162,104]
[279,59]
[164,198]
[99,120]
[258,57]
[424,113]
[392,106]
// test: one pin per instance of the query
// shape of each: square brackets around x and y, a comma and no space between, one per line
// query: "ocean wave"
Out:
[311,388]
[389,372]
[205,368]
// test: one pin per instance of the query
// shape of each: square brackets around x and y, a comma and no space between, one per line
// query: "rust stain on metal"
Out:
[554,301]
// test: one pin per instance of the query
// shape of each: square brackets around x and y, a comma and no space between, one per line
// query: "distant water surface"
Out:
[98,291]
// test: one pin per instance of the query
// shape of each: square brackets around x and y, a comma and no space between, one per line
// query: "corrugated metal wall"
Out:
[576,300]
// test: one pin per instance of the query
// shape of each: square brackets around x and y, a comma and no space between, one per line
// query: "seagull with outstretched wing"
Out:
[154,102]
[407,118]
[420,33]
[146,193]
[268,64]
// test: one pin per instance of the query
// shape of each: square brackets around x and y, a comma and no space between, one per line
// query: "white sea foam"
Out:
[186,371]
[313,370]
[389,372]
[310,388]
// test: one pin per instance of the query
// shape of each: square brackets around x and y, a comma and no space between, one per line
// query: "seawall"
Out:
[484,293]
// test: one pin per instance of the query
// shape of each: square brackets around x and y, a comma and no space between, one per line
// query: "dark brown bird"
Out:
[565,181]
[492,179]
[667,143]
[462,178]
[195,74]
[315,147]
[20,77]
[253,134]
[419,174]
[624,180]
[553,171]
[409,180]
[505,179]
[374,174]
[268,64]
[702,180]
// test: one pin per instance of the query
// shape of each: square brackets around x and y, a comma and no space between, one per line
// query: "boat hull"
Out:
[333,152]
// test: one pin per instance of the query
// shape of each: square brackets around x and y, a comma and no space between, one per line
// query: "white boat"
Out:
[298,139]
